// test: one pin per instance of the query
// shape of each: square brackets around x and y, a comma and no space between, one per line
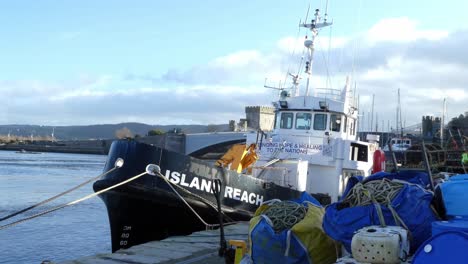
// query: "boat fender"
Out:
[376,244]
[378,161]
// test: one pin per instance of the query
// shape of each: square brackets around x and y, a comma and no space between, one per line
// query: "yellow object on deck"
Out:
[465,158]
[241,249]
[240,157]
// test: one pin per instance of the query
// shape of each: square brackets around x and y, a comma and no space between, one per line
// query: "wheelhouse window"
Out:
[320,122]
[303,121]
[335,122]
[286,120]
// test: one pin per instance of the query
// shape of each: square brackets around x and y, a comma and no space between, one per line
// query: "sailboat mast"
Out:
[442,123]
[399,110]
[399,121]
[372,113]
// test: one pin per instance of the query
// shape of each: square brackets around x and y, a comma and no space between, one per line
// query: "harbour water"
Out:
[75,231]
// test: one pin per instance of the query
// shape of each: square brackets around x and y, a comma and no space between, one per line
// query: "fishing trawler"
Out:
[313,148]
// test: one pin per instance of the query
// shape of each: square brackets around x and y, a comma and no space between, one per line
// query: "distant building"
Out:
[256,117]
[430,127]
[260,117]
[232,125]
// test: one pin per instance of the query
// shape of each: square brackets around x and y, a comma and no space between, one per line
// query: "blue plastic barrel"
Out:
[455,196]
[446,247]
[452,225]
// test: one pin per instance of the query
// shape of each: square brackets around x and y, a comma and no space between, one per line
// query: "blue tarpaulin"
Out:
[305,242]
[412,205]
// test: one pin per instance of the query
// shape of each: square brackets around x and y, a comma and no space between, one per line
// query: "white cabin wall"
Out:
[322,179]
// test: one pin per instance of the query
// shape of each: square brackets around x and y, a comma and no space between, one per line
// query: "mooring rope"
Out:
[154,173]
[207,225]
[196,196]
[71,203]
[285,214]
[58,195]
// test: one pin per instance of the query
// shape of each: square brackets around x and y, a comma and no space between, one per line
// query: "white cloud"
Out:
[427,65]
[239,59]
[289,44]
[401,29]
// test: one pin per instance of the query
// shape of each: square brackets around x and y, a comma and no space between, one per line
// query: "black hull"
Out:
[147,208]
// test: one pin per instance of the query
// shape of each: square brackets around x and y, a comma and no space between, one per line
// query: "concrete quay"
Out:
[199,247]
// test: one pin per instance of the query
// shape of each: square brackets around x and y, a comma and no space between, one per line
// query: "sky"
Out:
[201,62]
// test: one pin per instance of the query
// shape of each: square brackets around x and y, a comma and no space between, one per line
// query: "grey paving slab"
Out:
[138,259]
[166,253]
[197,248]
[178,245]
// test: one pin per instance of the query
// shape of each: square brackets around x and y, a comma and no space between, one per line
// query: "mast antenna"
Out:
[326,12]
[314,25]
[307,14]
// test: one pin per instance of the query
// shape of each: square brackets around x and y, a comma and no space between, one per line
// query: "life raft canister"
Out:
[378,161]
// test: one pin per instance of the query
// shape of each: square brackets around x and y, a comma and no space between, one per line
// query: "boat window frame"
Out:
[335,126]
[276,123]
[345,124]
[307,126]
[323,122]
[281,122]
[359,152]
[352,126]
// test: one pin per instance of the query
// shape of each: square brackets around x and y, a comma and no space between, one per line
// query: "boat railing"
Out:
[329,93]
[277,175]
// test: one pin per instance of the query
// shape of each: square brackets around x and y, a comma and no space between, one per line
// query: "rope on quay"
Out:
[383,192]
[73,202]
[285,214]
[118,164]
[377,193]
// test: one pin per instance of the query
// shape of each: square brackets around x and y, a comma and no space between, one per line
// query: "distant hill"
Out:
[105,131]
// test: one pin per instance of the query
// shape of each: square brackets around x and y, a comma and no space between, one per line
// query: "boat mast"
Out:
[314,25]
[372,114]
[399,124]
[442,121]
